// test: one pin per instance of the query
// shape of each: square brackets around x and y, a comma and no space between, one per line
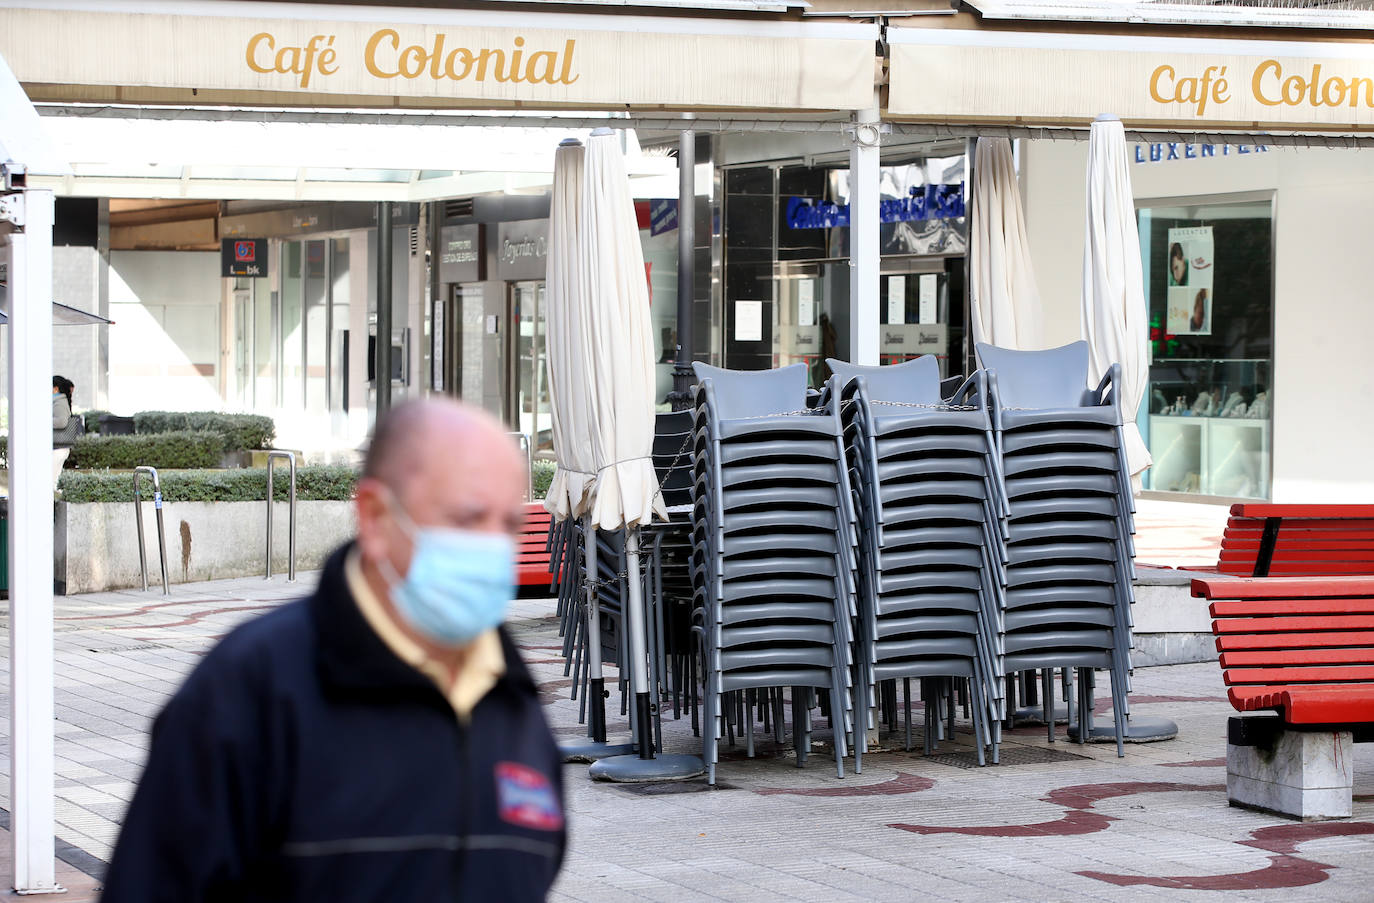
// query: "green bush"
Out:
[315,483]
[240,431]
[543,476]
[170,450]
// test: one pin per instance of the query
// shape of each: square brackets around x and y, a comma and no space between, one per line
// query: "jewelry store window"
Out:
[1209,268]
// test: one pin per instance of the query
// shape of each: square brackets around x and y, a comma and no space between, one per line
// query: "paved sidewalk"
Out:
[1051,823]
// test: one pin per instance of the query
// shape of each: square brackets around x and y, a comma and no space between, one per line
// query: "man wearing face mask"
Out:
[380,740]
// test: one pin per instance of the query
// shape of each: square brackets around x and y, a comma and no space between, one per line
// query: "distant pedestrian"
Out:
[65,427]
[381,740]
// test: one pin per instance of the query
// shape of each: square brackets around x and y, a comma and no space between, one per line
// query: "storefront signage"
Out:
[921,203]
[442,54]
[243,257]
[913,338]
[1162,152]
[662,216]
[523,249]
[962,74]
[461,254]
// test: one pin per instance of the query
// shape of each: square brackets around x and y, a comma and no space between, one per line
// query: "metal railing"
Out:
[528,448]
[161,533]
[290,458]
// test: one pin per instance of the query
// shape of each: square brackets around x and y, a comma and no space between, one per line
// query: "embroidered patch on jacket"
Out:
[527,798]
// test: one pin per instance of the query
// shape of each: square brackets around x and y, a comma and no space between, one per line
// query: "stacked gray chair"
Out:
[931,506]
[773,560]
[1070,552]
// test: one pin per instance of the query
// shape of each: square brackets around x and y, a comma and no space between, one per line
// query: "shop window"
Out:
[1208,417]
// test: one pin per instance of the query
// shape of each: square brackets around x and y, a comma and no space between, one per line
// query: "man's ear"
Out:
[370,502]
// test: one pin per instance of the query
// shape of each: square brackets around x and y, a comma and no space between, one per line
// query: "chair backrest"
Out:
[671,430]
[755,393]
[916,381]
[1053,378]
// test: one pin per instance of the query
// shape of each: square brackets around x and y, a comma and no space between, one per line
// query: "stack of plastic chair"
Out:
[931,506]
[1070,551]
[668,577]
[773,556]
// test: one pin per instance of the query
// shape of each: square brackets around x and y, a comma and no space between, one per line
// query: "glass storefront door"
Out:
[527,403]
[1209,269]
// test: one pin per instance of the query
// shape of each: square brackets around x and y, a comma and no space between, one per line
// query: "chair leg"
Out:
[906,699]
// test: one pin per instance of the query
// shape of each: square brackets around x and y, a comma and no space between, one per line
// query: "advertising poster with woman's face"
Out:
[1190,281]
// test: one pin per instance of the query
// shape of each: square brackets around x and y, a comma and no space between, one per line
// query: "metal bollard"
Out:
[161,533]
[528,448]
[290,458]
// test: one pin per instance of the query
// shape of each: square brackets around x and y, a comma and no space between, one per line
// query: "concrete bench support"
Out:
[1303,774]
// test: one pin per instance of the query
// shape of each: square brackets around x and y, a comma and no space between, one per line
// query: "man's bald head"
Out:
[435,463]
[416,436]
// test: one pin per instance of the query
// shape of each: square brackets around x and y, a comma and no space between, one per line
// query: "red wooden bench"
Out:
[1263,540]
[1302,647]
[532,551]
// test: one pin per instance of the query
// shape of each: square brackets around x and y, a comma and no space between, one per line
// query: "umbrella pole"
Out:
[596,692]
[637,630]
[644,767]
[595,746]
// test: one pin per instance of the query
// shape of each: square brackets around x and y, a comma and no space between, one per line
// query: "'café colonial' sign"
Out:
[954,74]
[436,54]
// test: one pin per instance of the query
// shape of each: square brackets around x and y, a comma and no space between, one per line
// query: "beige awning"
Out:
[1033,77]
[69,50]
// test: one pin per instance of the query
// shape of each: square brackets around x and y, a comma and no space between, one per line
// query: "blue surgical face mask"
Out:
[459,584]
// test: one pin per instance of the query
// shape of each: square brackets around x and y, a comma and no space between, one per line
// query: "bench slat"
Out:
[1231,608]
[1282,587]
[1309,705]
[1348,655]
[1290,625]
[1265,509]
[1317,640]
[1301,675]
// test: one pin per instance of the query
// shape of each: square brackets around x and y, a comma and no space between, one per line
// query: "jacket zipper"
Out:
[467,782]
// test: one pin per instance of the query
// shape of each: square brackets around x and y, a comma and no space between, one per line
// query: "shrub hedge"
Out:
[331,482]
[543,476]
[315,483]
[240,431]
[181,449]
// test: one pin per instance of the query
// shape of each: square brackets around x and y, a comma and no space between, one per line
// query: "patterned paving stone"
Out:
[1052,822]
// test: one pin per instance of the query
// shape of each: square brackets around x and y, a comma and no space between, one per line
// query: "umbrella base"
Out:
[1139,729]
[634,770]
[1034,714]
[591,751]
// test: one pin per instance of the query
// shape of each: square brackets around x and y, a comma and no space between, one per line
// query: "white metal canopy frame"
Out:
[26,221]
[1114,316]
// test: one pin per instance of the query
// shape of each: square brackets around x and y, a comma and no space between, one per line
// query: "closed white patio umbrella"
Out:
[1005,300]
[601,377]
[572,355]
[1114,316]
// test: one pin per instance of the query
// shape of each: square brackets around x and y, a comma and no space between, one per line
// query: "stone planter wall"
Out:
[96,544]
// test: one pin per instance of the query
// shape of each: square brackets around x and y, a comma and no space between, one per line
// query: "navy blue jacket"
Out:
[303,761]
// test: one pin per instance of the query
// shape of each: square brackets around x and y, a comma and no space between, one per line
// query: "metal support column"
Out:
[864,330]
[383,383]
[681,397]
[26,222]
